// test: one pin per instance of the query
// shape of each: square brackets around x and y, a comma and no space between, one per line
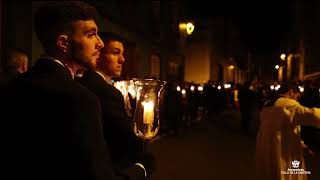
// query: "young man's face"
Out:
[111,59]
[85,43]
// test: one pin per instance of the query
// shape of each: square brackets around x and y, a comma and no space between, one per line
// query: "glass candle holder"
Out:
[147,115]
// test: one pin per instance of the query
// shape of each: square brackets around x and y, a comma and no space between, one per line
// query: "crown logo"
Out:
[295,163]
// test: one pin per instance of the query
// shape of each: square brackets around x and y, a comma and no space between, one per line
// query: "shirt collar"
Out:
[59,62]
[105,77]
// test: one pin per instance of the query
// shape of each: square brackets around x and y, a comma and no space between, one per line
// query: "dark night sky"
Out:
[263,25]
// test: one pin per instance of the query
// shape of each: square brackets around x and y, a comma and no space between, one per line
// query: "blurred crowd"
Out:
[185,103]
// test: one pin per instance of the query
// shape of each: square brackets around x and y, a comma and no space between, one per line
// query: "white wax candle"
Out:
[148,113]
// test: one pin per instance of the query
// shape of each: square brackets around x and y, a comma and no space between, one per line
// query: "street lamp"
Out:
[186,27]
[277,66]
[189,28]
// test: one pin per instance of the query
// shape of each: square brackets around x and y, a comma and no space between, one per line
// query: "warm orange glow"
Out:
[182,26]
[231,67]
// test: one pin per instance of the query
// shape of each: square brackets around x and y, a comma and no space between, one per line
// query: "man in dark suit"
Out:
[51,123]
[126,149]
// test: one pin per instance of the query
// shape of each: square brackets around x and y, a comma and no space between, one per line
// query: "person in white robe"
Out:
[279,147]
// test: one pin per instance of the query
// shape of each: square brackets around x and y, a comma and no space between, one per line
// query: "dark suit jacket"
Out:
[52,127]
[7,76]
[125,147]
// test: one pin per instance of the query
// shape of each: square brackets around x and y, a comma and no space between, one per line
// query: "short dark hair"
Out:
[111,36]
[50,20]
[287,86]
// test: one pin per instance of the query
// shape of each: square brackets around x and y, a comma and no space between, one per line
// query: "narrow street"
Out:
[206,151]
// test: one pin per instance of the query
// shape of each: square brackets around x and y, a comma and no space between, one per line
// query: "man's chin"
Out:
[90,66]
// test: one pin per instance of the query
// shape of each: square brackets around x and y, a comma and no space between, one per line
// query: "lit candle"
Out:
[148,113]
[184,93]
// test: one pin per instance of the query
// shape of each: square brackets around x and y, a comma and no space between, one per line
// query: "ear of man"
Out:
[63,43]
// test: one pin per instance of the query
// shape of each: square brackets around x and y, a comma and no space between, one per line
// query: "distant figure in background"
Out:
[16,63]
[247,101]
[236,97]
[279,145]
[172,108]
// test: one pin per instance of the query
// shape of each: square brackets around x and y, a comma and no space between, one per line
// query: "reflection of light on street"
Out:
[219,87]
[200,88]
[192,88]
[301,89]
[178,88]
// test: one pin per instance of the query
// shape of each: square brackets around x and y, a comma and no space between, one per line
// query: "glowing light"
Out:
[283,57]
[192,88]
[276,66]
[189,28]
[231,67]
[178,88]
[301,89]
[272,87]
[183,91]
[219,87]
[277,87]
[148,114]
[227,86]
[200,88]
